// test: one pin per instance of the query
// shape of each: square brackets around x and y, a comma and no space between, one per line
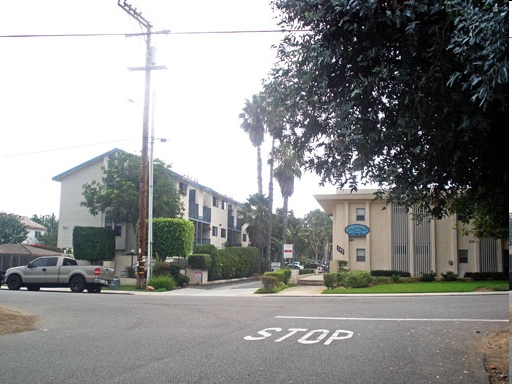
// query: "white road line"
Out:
[392,319]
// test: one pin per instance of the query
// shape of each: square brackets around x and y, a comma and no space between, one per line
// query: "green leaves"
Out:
[412,95]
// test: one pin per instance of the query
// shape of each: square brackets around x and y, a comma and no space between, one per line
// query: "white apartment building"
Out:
[216,217]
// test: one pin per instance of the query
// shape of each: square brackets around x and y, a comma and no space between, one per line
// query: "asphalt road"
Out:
[194,336]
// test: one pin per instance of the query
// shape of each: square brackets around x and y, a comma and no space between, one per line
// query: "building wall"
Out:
[396,241]
[71,213]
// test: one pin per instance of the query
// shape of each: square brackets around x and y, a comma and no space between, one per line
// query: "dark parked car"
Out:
[2,274]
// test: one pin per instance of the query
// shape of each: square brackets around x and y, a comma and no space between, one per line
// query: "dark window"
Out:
[360,255]
[183,188]
[68,261]
[223,232]
[360,214]
[215,201]
[215,231]
[463,256]
[244,237]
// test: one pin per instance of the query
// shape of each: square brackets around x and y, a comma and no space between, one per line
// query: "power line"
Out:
[64,148]
[164,32]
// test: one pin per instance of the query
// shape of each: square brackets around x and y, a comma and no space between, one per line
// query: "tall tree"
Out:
[12,231]
[51,223]
[319,232]
[252,123]
[412,96]
[117,194]
[255,215]
[285,173]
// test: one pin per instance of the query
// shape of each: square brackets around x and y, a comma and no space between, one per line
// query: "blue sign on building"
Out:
[357,230]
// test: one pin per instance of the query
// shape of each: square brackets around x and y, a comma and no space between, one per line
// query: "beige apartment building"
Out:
[216,217]
[371,235]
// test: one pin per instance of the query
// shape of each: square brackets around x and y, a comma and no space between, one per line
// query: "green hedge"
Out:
[232,262]
[172,237]
[281,275]
[389,273]
[479,276]
[94,243]
[203,262]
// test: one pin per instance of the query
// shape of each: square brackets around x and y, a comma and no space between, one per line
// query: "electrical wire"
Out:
[64,148]
[165,32]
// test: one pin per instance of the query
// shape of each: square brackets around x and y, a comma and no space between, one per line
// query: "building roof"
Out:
[328,202]
[25,250]
[64,174]
[30,224]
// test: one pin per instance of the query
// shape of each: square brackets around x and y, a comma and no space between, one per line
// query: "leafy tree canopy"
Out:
[117,195]
[12,231]
[411,96]
[51,223]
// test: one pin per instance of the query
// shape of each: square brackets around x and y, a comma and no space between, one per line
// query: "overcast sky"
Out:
[65,100]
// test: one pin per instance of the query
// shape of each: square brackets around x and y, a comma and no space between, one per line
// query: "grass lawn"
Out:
[437,286]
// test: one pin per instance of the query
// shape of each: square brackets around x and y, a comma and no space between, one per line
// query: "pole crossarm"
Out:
[134,13]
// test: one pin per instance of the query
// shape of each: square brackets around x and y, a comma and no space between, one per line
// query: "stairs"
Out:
[317,280]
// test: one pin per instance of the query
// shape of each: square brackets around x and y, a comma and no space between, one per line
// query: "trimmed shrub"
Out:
[479,276]
[428,277]
[200,261]
[280,275]
[269,282]
[449,276]
[331,280]
[173,237]
[395,278]
[93,243]
[166,283]
[306,271]
[357,279]
[389,273]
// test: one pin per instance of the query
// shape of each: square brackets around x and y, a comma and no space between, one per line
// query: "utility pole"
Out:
[143,195]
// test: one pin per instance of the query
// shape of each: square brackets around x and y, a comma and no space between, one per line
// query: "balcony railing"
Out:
[193,213]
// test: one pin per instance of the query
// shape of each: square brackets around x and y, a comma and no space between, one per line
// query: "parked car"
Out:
[295,266]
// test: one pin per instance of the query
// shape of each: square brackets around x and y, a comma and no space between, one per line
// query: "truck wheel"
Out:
[32,287]
[14,282]
[77,284]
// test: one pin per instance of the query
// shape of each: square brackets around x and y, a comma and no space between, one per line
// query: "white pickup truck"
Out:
[59,271]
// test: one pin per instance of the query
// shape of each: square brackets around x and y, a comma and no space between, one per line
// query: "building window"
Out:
[215,231]
[224,204]
[215,201]
[183,189]
[463,256]
[116,226]
[360,214]
[244,237]
[361,255]
[223,233]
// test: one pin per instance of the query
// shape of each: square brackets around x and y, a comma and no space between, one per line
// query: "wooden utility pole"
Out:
[143,195]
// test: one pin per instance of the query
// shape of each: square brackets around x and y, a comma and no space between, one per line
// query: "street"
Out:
[194,337]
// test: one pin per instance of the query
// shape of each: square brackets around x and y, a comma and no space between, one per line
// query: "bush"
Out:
[479,276]
[356,279]
[306,271]
[166,283]
[203,262]
[389,273]
[449,276]
[269,282]
[281,275]
[428,277]
[330,280]
[395,278]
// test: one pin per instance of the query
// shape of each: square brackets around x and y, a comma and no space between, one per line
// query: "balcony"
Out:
[193,213]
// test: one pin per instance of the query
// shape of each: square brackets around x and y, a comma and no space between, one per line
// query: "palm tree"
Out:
[252,123]
[285,173]
[255,215]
